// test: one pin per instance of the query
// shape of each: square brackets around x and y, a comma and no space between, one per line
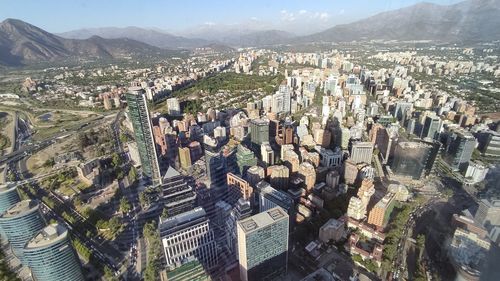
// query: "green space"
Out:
[4,142]
[154,253]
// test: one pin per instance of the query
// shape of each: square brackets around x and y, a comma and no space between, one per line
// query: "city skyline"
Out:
[297,17]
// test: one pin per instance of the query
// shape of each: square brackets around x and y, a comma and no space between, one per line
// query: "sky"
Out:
[182,16]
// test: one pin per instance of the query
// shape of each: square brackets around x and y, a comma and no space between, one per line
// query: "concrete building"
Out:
[20,223]
[332,230]
[185,157]
[356,209]
[263,245]
[307,173]
[51,257]
[267,153]
[350,172]
[177,195]
[138,113]
[488,212]
[270,197]
[278,176]
[240,211]
[240,187]
[255,174]
[173,107]
[245,159]
[362,152]
[476,172]
[259,131]
[330,158]
[188,235]
[458,149]
[380,213]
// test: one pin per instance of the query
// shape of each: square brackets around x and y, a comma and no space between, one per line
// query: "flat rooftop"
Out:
[24,206]
[263,219]
[49,235]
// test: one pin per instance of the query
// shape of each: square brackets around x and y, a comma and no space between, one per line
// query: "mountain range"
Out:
[468,21]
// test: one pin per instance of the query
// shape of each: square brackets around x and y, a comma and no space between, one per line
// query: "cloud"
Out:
[324,16]
[301,12]
[287,16]
[210,23]
[341,12]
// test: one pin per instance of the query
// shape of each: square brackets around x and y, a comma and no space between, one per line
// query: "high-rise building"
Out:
[240,211]
[488,212]
[245,158]
[267,153]
[188,235]
[411,159]
[215,167]
[356,209]
[350,172]
[177,195]
[259,131]
[380,213]
[8,196]
[362,152]
[459,147]
[51,257]
[173,106]
[432,127]
[185,157]
[269,197]
[141,122]
[240,187]
[255,174]
[20,223]
[281,100]
[263,245]
[278,176]
[308,174]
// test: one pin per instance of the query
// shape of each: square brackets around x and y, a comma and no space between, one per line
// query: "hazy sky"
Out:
[299,16]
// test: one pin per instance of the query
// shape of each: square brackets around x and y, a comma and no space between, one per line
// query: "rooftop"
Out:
[24,206]
[263,219]
[50,234]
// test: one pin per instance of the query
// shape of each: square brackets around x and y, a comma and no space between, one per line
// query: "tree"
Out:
[125,206]
[132,175]
[164,213]
[116,160]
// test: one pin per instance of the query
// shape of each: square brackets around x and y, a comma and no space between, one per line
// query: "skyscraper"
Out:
[362,152]
[267,153]
[20,223]
[188,235]
[177,195]
[8,196]
[263,245]
[412,158]
[141,122]
[380,213]
[432,126]
[245,159]
[460,145]
[259,131]
[51,257]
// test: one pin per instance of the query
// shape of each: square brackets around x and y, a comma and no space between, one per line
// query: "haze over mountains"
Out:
[471,20]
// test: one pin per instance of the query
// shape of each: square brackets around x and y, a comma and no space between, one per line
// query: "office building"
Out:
[411,159]
[269,197]
[177,195]
[245,158]
[255,174]
[476,172]
[263,245]
[329,158]
[267,153]
[173,107]
[459,147]
[488,212]
[278,176]
[380,213]
[489,142]
[8,196]
[141,122]
[259,131]
[242,210]
[432,127]
[216,168]
[350,172]
[186,236]
[307,173]
[20,223]
[322,137]
[332,230]
[281,100]
[239,187]
[51,257]
[185,157]
[362,152]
